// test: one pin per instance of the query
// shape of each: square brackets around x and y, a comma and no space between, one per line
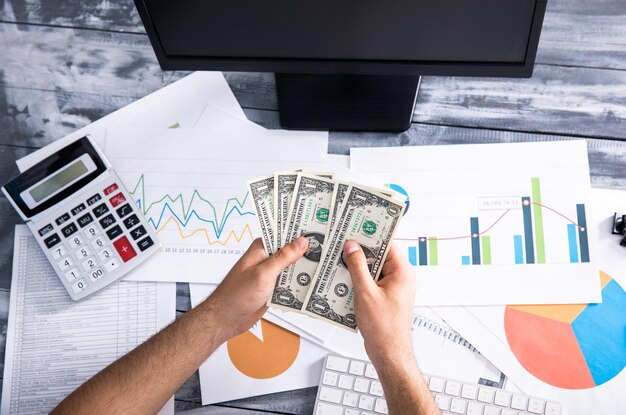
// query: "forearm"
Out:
[143,380]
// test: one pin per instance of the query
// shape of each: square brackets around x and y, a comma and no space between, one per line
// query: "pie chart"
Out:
[267,358]
[574,346]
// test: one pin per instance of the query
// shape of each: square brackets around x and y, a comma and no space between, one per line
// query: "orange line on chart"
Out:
[246,229]
[476,235]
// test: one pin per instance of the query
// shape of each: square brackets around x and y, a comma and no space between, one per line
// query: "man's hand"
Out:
[239,301]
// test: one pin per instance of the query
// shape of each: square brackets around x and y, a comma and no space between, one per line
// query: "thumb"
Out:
[285,256]
[357,265]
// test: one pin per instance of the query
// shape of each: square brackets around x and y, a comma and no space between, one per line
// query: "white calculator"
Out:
[83,218]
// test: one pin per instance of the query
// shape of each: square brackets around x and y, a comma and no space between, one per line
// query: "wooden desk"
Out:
[64,64]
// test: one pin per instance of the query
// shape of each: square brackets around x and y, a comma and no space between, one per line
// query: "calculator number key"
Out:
[72,275]
[124,248]
[107,221]
[89,264]
[91,231]
[98,243]
[59,252]
[96,274]
[94,199]
[69,230]
[78,286]
[85,220]
[66,264]
[83,252]
[78,209]
[76,240]
[52,240]
[100,210]
[131,221]
[105,254]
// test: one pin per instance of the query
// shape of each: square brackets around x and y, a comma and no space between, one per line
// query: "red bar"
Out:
[110,189]
[124,248]
[117,199]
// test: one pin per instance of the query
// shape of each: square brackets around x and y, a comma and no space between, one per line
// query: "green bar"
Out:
[538,218]
[486,249]
[432,251]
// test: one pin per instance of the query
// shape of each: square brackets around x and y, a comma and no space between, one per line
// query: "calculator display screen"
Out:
[58,181]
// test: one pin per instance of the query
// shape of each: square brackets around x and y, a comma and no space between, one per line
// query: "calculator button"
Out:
[100,210]
[110,189]
[45,229]
[96,274]
[138,232]
[83,252]
[131,221]
[69,230]
[124,248]
[98,243]
[111,264]
[145,243]
[78,286]
[94,199]
[76,240]
[124,210]
[117,200]
[52,240]
[105,254]
[78,209]
[66,263]
[63,218]
[59,252]
[107,221]
[91,231]
[114,232]
[85,220]
[72,275]
[89,264]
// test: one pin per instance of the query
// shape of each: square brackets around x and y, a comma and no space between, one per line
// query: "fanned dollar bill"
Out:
[309,216]
[262,192]
[369,217]
[284,184]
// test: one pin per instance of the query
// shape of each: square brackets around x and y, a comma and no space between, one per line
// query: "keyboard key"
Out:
[453,388]
[83,252]
[352,412]
[475,408]
[370,372]
[46,229]
[105,254]
[519,402]
[553,408]
[458,406]
[91,231]
[361,385]
[108,190]
[443,402]
[376,389]
[52,240]
[65,263]
[59,252]
[491,410]
[94,199]
[366,402]
[485,395]
[470,392]
[346,381]
[96,274]
[69,230]
[502,398]
[98,243]
[117,200]
[107,221]
[337,363]
[330,395]
[78,286]
[139,232]
[85,220]
[78,209]
[124,210]
[357,368]
[72,275]
[326,409]
[62,219]
[145,243]
[131,221]
[436,384]
[535,406]
[507,411]
[381,406]
[114,232]
[125,249]
[89,264]
[100,210]
[330,378]
[350,399]
[76,240]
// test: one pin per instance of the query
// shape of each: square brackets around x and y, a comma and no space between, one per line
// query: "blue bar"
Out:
[519,253]
[423,253]
[412,255]
[573,246]
[582,233]
[465,260]
[528,231]
[475,241]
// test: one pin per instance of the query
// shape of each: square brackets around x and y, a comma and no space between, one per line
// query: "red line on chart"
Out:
[476,235]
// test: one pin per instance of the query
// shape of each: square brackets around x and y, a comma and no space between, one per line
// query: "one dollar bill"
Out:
[262,192]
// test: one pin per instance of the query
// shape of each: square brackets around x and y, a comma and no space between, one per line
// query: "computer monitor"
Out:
[347,64]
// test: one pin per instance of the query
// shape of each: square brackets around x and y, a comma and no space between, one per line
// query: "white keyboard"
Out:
[351,387]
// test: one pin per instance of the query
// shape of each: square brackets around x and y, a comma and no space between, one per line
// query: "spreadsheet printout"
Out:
[55,344]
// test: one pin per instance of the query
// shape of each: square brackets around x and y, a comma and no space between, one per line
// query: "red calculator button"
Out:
[118,199]
[110,189]
[124,248]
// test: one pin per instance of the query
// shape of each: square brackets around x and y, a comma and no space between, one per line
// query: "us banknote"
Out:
[371,219]
[262,193]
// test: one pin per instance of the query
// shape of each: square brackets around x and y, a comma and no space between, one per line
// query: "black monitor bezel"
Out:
[363,67]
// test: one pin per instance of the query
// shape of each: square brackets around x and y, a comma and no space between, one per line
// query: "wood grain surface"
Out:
[66,63]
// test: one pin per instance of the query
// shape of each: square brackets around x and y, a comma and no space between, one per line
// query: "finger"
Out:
[255,253]
[357,265]
[282,258]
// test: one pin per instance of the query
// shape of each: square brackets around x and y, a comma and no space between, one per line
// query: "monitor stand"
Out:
[346,102]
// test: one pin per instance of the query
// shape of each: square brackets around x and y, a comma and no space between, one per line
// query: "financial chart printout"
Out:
[191,186]
[493,223]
